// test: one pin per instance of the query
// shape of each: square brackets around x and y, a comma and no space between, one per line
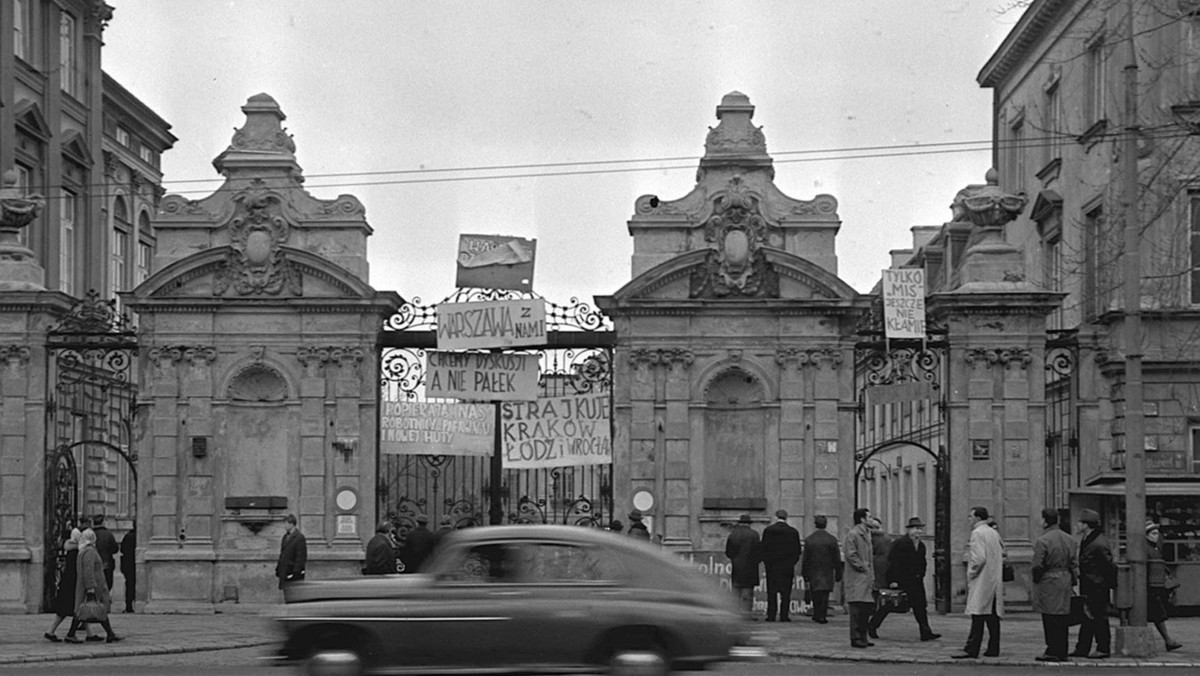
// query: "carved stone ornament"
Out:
[982,356]
[673,356]
[258,382]
[987,206]
[734,134]
[814,357]
[17,210]
[735,264]
[257,265]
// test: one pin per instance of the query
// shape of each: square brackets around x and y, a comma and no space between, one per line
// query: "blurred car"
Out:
[519,599]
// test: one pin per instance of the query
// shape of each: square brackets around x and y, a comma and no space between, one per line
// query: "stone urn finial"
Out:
[735,141]
[987,206]
[19,269]
[261,143]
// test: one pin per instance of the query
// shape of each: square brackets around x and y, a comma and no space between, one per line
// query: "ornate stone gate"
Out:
[474,490]
[91,460]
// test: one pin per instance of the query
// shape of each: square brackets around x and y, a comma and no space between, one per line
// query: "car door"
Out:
[466,618]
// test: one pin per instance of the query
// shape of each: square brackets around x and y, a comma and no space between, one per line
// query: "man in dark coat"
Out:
[906,572]
[381,555]
[1097,575]
[821,567]
[637,527]
[417,545]
[129,565]
[106,547]
[1053,570]
[742,548]
[780,553]
[293,553]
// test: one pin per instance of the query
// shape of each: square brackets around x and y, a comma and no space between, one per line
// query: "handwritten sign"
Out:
[491,324]
[904,303]
[495,262]
[432,428]
[556,432]
[481,376]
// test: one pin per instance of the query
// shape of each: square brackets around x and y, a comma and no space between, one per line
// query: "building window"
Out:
[1016,153]
[1194,451]
[1194,244]
[21,46]
[1094,94]
[1054,274]
[120,247]
[147,155]
[23,180]
[66,253]
[123,136]
[1099,268]
[1053,124]
[67,54]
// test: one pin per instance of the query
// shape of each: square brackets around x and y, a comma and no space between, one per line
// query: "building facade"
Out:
[88,154]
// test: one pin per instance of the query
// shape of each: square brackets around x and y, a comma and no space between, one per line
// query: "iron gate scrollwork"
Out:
[464,490]
[900,386]
[90,456]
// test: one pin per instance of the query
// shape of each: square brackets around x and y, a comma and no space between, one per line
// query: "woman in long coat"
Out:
[91,578]
[64,597]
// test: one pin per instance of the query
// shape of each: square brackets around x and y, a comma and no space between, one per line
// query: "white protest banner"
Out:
[481,376]
[556,432]
[495,262]
[433,428]
[491,324]
[904,303]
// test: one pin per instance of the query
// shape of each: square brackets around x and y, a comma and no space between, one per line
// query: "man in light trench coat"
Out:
[1054,569]
[985,602]
[859,578]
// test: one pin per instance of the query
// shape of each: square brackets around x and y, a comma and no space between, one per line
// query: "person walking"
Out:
[1097,576]
[418,545]
[1054,569]
[293,553]
[1156,587]
[107,547]
[89,582]
[381,556]
[821,567]
[985,604]
[64,595]
[906,566]
[129,565]
[637,528]
[859,578]
[780,553]
[742,548]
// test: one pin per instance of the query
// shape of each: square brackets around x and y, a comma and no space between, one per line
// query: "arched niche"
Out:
[734,440]
[257,434]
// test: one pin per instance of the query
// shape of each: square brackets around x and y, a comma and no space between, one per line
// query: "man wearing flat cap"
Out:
[780,553]
[742,548]
[906,572]
[1097,576]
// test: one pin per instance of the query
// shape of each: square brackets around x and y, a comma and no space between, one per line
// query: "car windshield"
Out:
[528,562]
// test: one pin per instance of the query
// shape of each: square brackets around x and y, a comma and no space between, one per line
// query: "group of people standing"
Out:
[1060,563]
[86,579]
[395,550]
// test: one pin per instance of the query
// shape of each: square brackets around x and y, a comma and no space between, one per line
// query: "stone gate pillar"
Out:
[259,369]
[996,399]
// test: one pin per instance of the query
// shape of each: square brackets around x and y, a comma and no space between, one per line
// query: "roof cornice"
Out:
[1031,27]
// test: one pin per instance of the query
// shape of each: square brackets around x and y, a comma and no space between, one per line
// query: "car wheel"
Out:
[334,663]
[644,661]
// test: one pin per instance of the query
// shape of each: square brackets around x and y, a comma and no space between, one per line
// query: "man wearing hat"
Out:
[780,553]
[906,572]
[417,545]
[742,548]
[637,529]
[1097,575]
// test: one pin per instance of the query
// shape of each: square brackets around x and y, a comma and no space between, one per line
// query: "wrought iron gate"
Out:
[90,456]
[468,490]
[901,388]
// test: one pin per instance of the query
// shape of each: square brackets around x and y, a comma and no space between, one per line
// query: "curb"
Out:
[64,653]
[1115,662]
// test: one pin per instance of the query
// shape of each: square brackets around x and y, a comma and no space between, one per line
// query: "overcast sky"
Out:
[388,86]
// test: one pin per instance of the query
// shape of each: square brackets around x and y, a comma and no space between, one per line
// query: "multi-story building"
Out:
[1059,118]
[88,151]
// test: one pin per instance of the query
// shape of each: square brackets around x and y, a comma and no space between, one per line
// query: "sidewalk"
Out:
[1021,639]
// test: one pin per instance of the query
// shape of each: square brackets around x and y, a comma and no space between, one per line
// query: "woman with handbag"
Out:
[1158,586]
[92,599]
[64,597]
